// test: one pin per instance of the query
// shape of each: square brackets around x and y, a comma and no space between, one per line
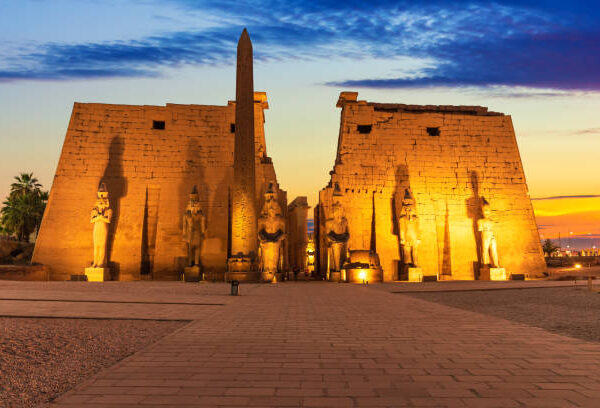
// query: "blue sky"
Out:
[536,60]
[479,43]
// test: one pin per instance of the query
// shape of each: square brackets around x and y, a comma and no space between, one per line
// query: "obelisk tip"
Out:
[245,36]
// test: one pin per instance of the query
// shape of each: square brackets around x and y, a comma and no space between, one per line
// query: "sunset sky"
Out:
[538,61]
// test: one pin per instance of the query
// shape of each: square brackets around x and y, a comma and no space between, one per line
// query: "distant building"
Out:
[590,252]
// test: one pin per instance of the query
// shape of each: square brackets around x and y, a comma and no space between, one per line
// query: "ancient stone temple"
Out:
[150,158]
[429,170]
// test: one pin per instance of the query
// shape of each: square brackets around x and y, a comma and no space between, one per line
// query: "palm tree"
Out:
[549,247]
[25,184]
[24,208]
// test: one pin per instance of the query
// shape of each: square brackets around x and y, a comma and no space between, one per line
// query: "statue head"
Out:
[485,208]
[102,200]
[408,203]
[194,202]
[271,207]
[270,194]
[408,200]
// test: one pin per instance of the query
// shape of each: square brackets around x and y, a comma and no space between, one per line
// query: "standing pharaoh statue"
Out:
[485,226]
[101,216]
[194,228]
[337,233]
[271,233]
[408,223]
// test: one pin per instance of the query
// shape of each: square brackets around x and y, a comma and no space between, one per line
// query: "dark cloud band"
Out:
[546,45]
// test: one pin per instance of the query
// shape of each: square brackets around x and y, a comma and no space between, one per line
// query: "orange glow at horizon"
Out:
[577,217]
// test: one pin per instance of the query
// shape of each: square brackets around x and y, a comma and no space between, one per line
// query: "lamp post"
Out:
[571,238]
[235,288]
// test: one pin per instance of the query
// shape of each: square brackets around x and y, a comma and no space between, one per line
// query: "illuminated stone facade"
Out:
[149,157]
[451,158]
[298,233]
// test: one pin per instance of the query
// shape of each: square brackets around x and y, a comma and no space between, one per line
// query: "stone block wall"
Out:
[450,157]
[149,174]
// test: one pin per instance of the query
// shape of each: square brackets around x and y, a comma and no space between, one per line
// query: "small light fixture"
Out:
[362,275]
[577,266]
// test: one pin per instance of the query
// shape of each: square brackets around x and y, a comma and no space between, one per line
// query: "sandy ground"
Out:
[569,311]
[42,358]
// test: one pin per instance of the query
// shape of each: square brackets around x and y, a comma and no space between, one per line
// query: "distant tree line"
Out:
[22,212]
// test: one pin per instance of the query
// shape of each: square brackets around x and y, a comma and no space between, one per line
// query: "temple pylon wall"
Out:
[451,157]
[149,173]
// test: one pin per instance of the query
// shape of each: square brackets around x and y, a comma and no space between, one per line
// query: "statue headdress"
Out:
[270,192]
[102,191]
[194,194]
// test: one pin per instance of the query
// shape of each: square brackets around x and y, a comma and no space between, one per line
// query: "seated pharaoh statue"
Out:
[271,233]
[337,233]
[194,228]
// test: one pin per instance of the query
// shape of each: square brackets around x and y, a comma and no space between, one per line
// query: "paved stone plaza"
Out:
[317,345]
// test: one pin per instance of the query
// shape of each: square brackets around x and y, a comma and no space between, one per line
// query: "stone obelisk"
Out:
[243,199]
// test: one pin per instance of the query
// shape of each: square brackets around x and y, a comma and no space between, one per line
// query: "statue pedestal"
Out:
[335,276]
[498,274]
[242,268]
[415,274]
[492,274]
[363,275]
[192,274]
[97,274]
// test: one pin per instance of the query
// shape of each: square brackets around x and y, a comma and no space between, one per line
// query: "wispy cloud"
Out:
[547,45]
[590,131]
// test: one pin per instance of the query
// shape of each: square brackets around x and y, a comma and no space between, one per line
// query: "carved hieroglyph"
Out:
[408,223]
[101,217]
[194,228]
[485,226]
[271,233]
[337,233]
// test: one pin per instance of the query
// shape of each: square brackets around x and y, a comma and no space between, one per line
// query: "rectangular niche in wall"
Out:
[364,129]
[158,124]
[433,131]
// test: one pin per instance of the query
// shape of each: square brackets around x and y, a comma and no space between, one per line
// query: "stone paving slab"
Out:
[337,345]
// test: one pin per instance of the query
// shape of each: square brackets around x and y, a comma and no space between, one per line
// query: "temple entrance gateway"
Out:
[416,192]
